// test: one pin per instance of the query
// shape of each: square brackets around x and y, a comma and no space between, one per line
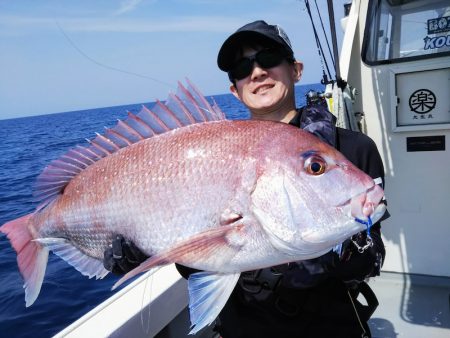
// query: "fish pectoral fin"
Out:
[148,264]
[86,265]
[225,240]
[208,293]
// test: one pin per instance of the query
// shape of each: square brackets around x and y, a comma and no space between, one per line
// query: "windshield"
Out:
[404,30]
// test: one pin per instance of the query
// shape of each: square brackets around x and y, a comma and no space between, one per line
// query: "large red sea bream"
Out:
[188,186]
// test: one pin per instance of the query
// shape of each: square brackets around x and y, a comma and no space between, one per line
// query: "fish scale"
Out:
[140,202]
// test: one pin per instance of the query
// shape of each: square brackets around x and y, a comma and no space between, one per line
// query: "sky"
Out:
[64,55]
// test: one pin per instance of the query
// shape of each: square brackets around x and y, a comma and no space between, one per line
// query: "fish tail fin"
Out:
[31,256]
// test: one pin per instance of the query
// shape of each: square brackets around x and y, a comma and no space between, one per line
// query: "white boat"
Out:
[396,53]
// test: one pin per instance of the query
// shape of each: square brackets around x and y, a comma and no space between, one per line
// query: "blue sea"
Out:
[27,145]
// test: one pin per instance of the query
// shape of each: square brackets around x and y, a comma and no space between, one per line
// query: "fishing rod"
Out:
[323,60]
[334,39]
[341,105]
[334,55]
[324,33]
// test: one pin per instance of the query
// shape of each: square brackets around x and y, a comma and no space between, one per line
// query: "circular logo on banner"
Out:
[422,101]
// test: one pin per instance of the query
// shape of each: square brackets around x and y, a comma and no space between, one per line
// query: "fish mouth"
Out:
[338,234]
[361,206]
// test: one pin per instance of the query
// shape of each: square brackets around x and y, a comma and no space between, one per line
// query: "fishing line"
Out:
[369,242]
[367,223]
[146,302]
[364,335]
[107,66]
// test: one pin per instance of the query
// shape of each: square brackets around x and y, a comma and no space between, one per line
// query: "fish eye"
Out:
[315,165]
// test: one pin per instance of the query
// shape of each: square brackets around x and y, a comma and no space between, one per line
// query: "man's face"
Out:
[265,90]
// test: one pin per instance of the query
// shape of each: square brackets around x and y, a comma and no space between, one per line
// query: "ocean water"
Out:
[27,146]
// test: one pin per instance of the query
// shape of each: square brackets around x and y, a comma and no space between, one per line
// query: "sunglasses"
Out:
[266,58]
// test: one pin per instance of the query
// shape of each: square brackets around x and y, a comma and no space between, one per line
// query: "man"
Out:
[315,298]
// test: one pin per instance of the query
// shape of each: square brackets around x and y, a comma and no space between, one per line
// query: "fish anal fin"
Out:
[198,247]
[86,265]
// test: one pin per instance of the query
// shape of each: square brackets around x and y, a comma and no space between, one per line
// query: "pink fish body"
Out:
[220,196]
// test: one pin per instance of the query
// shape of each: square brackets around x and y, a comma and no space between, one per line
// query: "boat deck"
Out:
[411,306]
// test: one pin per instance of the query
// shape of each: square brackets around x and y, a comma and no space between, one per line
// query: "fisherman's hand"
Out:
[122,256]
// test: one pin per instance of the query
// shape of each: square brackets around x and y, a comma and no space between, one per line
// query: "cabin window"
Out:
[406,30]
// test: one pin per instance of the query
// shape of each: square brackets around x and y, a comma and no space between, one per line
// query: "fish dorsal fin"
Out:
[187,106]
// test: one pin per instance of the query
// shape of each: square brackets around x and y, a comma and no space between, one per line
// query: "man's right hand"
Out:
[122,256]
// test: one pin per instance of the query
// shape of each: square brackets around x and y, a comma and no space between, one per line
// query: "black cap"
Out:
[257,31]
